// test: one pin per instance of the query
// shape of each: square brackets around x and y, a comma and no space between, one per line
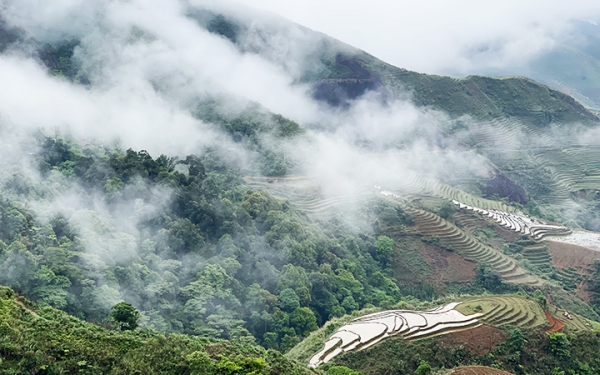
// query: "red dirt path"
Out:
[555,324]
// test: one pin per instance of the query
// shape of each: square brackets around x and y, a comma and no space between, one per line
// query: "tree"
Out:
[349,304]
[488,278]
[288,300]
[201,363]
[384,247]
[341,370]
[559,345]
[447,210]
[303,321]
[125,316]
[423,369]
[540,299]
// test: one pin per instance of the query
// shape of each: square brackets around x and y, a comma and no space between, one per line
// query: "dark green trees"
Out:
[189,244]
[125,316]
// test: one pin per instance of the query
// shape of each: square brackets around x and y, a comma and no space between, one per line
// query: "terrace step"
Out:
[469,247]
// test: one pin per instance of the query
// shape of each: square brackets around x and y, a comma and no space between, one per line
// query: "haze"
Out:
[441,37]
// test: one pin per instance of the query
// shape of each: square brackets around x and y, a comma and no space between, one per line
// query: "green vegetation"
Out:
[42,340]
[507,310]
[482,97]
[594,287]
[214,259]
[258,130]
[125,316]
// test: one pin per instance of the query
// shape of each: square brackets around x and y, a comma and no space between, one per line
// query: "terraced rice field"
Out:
[575,167]
[306,195]
[561,165]
[414,183]
[505,310]
[568,163]
[497,310]
[469,222]
[470,248]
[539,257]
[519,312]
[518,222]
[478,370]
[571,322]
[368,330]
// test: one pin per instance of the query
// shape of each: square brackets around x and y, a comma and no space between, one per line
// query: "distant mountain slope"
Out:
[480,97]
[341,73]
[571,66]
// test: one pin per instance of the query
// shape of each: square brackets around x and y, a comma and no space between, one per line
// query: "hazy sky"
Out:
[441,36]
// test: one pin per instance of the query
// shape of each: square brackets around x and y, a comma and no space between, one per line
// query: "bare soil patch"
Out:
[565,255]
[555,324]
[448,265]
[479,341]
[507,234]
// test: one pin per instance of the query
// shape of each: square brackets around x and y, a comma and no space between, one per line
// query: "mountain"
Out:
[571,66]
[340,73]
[243,181]
[522,127]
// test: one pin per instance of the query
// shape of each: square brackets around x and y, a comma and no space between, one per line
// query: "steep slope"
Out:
[340,73]
[195,247]
[534,137]
[401,350]
[42,340]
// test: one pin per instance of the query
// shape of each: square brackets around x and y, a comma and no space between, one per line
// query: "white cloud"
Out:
[440,36]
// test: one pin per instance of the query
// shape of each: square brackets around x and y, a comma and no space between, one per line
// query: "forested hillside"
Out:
[214,259]
[42,340]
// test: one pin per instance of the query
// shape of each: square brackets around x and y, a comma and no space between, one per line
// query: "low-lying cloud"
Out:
[441,37]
